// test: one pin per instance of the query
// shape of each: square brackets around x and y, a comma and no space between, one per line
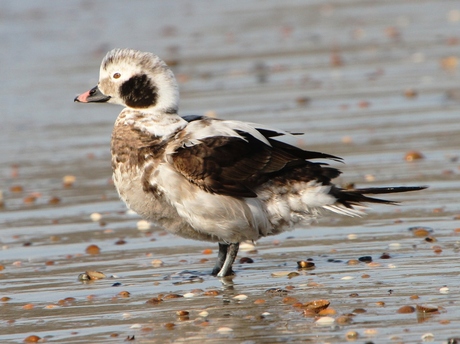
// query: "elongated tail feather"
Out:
[349,198]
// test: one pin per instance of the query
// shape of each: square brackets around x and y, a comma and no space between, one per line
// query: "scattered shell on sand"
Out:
[306,265]
[427,337]
[276,292]
[93,249]
[246,260]
[352,335]
[444,290]
[171,296]
[246,246]
[32,339]
[344,320]
[91,275]
[325,321]
[426,308]
[406,309]
[316,305]
[211,292]
[156,263]
[143,225]
[154,301]
[420,231]
[283,273]
[68,181]
[365,259]
[224,330]
[413,155]
[240,297]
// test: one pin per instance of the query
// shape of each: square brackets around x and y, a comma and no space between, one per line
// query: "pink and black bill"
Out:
[94,95]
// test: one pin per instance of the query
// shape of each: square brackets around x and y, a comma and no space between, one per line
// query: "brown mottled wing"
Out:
[226,165]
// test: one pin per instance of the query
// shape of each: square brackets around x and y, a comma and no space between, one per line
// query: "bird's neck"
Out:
[157,123]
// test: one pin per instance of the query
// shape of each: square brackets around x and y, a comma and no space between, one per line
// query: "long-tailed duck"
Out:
[207,179]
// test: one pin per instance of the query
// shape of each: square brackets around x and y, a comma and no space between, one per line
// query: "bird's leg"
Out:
[220,259]
[232,251]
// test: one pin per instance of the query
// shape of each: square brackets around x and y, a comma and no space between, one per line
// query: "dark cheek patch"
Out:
[139,92]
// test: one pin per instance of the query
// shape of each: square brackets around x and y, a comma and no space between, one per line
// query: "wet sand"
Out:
[369,81]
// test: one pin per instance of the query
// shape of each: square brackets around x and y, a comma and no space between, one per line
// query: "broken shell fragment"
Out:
[302,264]
[316,305]
[426,308]
[91,275]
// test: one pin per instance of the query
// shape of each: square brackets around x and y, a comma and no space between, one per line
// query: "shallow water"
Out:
[340,72]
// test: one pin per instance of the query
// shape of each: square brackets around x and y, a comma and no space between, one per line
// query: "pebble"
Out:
[394,246]
[344,320]
[444,290]
[327,311]
[282,273]
[95,217]
[240,297]
[246,260]
[427,337]
[370,332]
[50,306]
[32,339]
[276,291]
[316,306]
[302,264]
[91,275]
[156,263]
[346,278]
[325,321]
[136,326]
[143,225]
[351,335]
[352,236]
[413,155]
[365,259]
[224,330]
[68,180]
[189,295]
[93,249]
[203,314]
[211,292]
[406,309]
[246,246]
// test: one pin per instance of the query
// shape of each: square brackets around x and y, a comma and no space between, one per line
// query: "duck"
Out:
[216,180]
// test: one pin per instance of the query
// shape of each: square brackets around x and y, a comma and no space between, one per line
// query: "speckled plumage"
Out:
[207,179]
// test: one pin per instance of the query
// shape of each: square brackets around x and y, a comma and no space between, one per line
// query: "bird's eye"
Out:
[116,75]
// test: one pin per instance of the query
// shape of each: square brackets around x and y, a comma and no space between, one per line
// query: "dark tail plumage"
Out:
[348,198]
